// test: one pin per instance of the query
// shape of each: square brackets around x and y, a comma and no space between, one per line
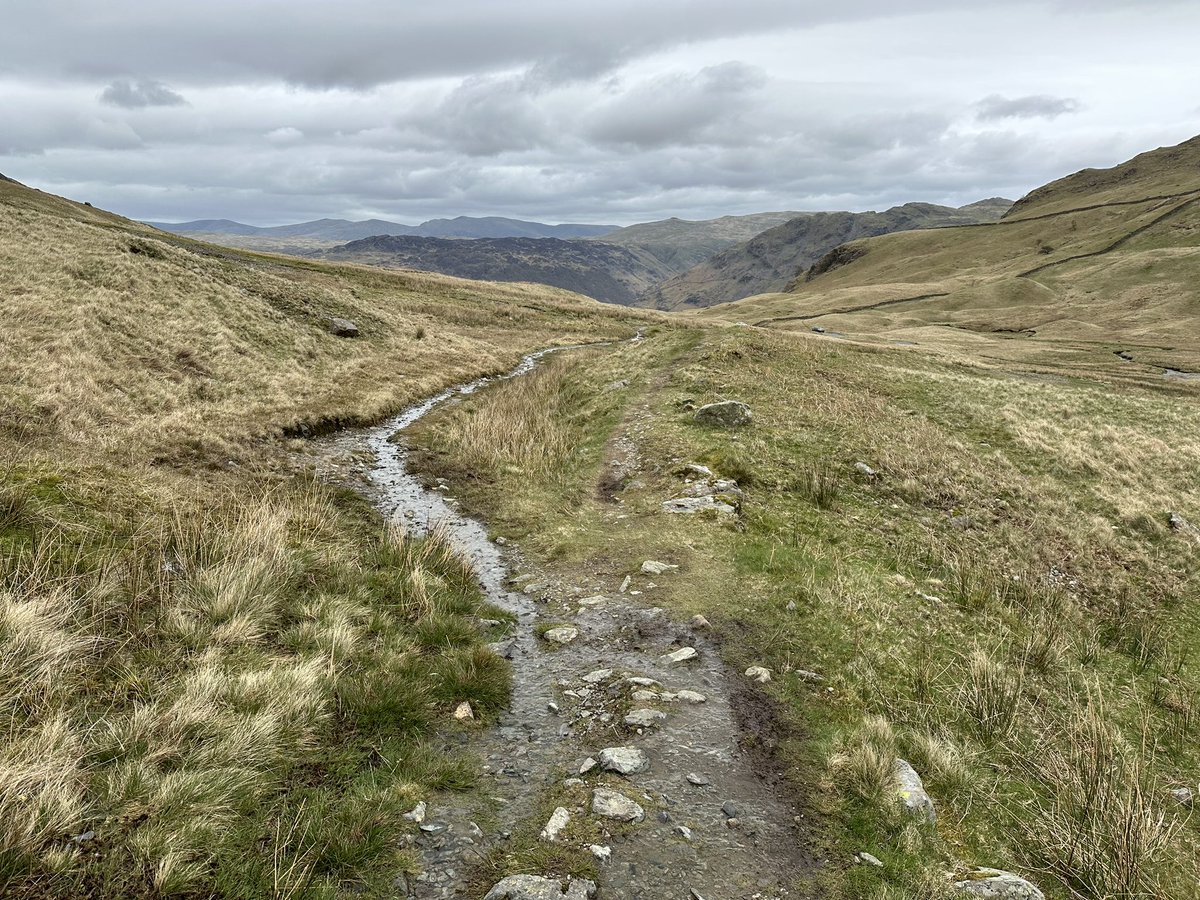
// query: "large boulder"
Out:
[534,887]
[726,413]
[995,884]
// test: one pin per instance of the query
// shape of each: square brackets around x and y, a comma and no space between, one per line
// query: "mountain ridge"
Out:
[328,229]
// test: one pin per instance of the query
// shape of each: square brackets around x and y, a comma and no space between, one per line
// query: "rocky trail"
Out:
[623,723]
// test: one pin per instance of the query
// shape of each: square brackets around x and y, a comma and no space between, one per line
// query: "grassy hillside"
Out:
[998,597]
[770,261]
[1096,263]
[219,678]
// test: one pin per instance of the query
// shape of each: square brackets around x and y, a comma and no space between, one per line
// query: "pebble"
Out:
[698,621]
[604,854]
[729,809]
[865,857]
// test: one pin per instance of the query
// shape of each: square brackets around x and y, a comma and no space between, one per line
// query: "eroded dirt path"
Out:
[715,824]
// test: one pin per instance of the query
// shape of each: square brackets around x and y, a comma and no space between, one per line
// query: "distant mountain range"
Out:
[667,264]
[340,230]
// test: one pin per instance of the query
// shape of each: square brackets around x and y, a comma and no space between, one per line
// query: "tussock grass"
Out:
[217,679]
[1010,563]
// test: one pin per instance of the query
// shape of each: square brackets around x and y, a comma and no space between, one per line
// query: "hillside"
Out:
[770,260]
[680,244]
[1100,258]
[597,269]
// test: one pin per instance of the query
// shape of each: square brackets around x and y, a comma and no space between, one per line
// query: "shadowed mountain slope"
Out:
[768,261]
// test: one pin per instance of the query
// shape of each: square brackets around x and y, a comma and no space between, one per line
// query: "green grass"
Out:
[978,648]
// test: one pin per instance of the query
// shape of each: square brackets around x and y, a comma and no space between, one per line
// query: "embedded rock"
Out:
[726,413]
[760,674]
[997,885]
[654,567]
[912,793]
[679,656]
[692,505]
[624,760]
[558,821]
[645,718]
[342,327]
[561,635]
[534,887]
[612,805]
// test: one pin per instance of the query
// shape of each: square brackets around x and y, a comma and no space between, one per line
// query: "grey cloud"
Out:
[679,109]
[363,43]
[1033,106]
[139,94]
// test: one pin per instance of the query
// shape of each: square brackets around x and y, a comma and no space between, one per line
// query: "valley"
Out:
[319,578]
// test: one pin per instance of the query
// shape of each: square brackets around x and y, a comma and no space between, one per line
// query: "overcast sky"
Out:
[272,111]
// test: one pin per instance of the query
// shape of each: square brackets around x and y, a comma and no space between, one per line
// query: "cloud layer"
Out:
[272,111]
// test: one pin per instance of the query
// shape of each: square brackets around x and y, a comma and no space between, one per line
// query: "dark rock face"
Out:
[597,269]
[774,259]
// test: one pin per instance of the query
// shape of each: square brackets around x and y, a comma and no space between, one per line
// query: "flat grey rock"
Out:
[693,505]
[997,885]
[680,656]
[535,887]
[564,634]
[613,805]
[645,718]
[624,760]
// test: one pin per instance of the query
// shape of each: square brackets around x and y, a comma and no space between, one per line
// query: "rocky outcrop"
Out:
[997,885]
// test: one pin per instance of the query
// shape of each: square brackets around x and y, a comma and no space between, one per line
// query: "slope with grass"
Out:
[770,260]
[1099,261]
[999,597]
[218,677]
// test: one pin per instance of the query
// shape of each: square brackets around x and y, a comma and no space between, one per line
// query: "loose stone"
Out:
[417,814]
[558,821]
[604,854]
[690,697]
[624,760]
[644,718]
[697,779]
[612,805]
[464,713]
[698,621]
[726,413]
[561,635]
[654,567]
[865,857]
[597,676]
[759,673]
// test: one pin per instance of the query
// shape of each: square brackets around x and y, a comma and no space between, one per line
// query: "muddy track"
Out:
[727,832]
